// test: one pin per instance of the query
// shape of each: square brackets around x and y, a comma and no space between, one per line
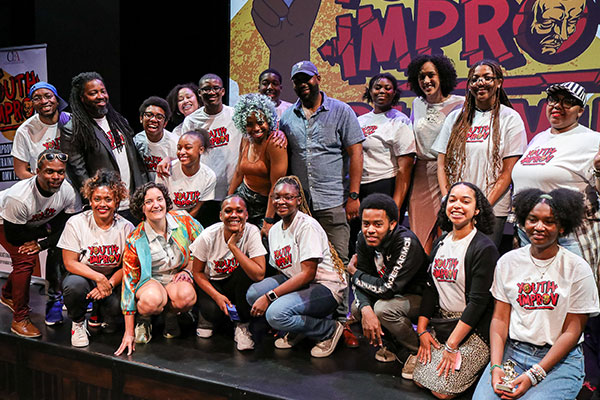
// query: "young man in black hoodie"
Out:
[388,273]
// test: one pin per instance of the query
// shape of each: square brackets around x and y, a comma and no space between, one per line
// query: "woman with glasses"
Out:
[562,157]
[482,142]
[261,161]
[311,282]
[157,266]
[432,78]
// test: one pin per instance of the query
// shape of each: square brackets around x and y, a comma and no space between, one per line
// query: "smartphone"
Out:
[233,314]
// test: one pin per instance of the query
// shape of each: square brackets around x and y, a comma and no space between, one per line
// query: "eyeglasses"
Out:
[51,156]
[486,79]
[208,89]
[159,117]
[38,97]
[284,198]
[565,102]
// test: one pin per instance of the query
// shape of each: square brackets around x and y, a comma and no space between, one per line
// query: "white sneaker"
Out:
[243,337]
[79,334]
[327,346]
[143,331]
[204,327]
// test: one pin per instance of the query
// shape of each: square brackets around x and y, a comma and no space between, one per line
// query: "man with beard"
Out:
[39,132]
[34,212]
[99,137]
[325,141]
[269,84]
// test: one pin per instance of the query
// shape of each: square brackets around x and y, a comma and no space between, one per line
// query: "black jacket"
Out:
[84,163]
[480,263]
[404,267]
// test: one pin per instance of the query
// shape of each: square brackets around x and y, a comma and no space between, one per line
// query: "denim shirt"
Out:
[318,149]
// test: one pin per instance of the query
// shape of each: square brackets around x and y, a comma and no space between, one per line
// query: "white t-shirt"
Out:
[284,105]
[178,130]
[388,136]
[120,154]
[157,151]
[563,160]
[33,137]
[102,250]
[211,248]
[539,305]
[448,272]
[187,191]
[23,203]
[479,148]
[225,140]
[302,240]
[427,121]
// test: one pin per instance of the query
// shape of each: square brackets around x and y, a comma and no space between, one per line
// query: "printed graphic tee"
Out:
[541,296]
[33,137]
[100,249]
[211,248]
[187,191]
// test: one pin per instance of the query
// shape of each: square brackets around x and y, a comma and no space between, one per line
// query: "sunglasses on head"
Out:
[51,156]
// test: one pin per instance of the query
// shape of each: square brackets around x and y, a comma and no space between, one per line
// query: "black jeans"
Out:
[234,288]
[75,290]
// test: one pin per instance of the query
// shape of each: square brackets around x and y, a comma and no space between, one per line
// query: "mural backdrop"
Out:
[538,42]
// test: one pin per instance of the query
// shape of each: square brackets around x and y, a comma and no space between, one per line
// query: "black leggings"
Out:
[234,288]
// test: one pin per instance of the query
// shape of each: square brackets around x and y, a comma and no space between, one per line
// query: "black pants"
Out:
[234,288]
[75,290]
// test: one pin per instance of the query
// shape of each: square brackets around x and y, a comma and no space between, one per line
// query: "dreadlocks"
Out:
[84,124]
[294,181]
[455,151]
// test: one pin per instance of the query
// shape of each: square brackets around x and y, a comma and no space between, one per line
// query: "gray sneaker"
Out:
[409,367]
[288,341]
[327,346]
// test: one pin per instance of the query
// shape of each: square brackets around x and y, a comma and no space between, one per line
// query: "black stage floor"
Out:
[264,372]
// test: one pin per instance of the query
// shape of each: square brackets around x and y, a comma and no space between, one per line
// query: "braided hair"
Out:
[293,180]
[84,124]
[454,163]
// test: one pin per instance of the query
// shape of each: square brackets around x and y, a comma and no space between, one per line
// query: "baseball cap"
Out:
[304,67]
[45,85]
[574,89]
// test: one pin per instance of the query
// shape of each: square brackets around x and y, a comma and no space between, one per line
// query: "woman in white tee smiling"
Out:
[93,243]
[544,295]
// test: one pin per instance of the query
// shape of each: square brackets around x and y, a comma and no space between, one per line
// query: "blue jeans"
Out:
[568,242]
[562,382]
[304,311]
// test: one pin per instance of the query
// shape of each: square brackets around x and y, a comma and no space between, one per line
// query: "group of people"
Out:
[184,223]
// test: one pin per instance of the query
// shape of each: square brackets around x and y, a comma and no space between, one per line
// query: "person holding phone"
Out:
[228,257]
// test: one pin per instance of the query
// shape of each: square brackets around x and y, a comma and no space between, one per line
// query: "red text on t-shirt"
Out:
[219,137]
[478,133]
[283,257]
[445,269]
[539,156]
[537,295]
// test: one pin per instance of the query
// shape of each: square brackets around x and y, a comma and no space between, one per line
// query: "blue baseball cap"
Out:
[304,67]
[45,85]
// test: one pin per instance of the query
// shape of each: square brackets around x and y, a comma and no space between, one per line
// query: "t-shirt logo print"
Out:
[538,295]
[478,133]
[219,137]
[283,257]
[539,156]
[445,269]
[106,254]
[226,266]
[46,214]
[369,130]
[186,199]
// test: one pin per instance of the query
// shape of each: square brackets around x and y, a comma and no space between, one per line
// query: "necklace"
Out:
[542,269]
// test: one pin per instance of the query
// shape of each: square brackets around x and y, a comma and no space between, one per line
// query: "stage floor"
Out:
[266,371]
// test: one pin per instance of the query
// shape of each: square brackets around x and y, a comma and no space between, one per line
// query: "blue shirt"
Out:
[318,149]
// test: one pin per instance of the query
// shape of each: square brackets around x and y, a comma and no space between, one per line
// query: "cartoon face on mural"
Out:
[27,107]
[554,21]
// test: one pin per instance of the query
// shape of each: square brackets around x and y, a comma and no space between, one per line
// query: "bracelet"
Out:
[596,173]
[531,377]
[540,370]
[422,333]
[450,349]
[111,285]
[495,366]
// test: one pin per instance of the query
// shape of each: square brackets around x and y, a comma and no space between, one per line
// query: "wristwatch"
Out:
[353,195]
[271,295]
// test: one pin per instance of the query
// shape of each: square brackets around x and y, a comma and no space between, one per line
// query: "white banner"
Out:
[20,68]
